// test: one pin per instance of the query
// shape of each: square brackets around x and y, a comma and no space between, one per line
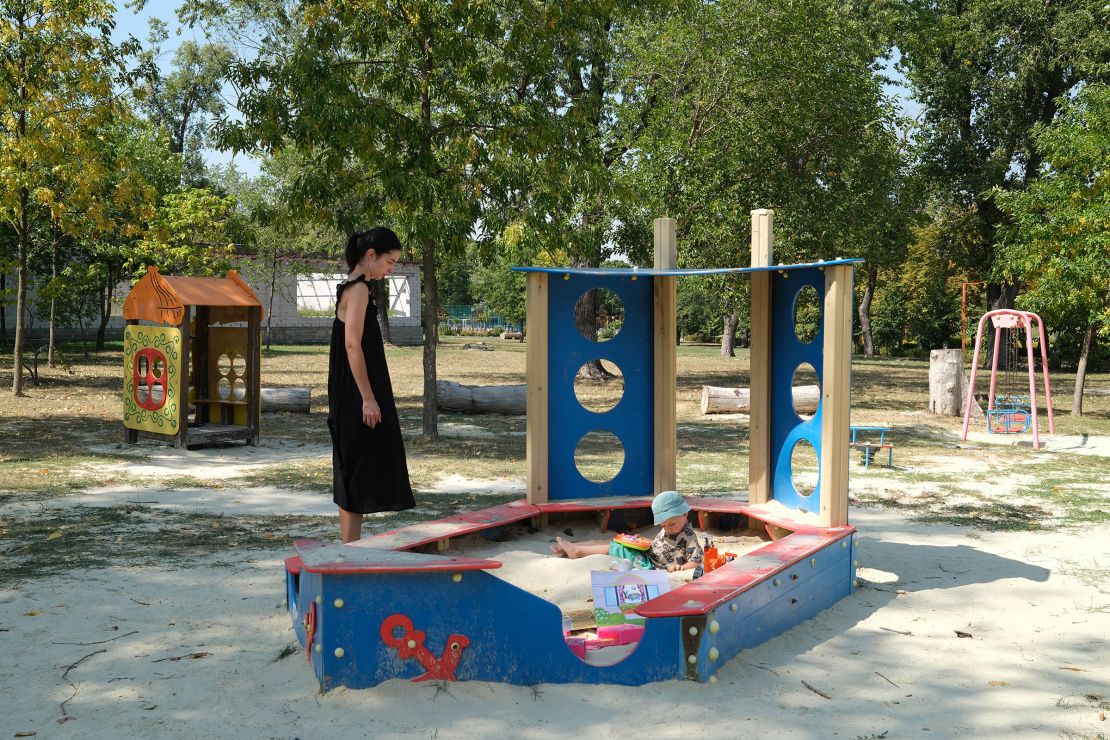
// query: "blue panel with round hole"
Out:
[632,419]
[788,353]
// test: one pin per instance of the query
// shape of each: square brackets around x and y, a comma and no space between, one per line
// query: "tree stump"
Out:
[716,400]
[481,399]
[286,399]
[946,382]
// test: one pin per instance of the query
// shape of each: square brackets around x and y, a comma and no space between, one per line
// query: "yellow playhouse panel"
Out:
[152,378]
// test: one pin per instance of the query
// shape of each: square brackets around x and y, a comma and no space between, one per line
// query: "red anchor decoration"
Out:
[411,645]
[309,631]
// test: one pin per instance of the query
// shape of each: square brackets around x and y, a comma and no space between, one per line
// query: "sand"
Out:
[952,632]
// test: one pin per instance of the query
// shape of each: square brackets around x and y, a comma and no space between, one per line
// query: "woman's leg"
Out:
[578,549]
[350,526]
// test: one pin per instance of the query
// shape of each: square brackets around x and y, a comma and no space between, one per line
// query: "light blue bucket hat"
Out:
[668,504]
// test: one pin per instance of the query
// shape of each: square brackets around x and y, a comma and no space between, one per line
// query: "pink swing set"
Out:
[1009,413]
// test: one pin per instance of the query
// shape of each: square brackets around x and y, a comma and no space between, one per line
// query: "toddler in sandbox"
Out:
[676,547]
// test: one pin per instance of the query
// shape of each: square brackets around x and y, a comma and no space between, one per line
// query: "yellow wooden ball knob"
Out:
[411,644]
[319,648]
[338,603]
[693,630]
[714,653]
[319,599]
[692,659]
[712,679]
[339,653]
[457,577]
[714,627]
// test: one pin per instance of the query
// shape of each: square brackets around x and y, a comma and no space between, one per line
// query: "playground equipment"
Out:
[1011,413]
[186,355]
[400,605]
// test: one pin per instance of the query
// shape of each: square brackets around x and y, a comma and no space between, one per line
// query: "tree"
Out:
[1058,241]
[763,104]
[987,73]
[58,67]
[185,101]
[398,104]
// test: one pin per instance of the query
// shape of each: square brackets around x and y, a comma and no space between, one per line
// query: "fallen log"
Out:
[715,400]
[286,399]
[481,399]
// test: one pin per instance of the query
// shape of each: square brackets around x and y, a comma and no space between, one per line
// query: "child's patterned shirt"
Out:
[679,550]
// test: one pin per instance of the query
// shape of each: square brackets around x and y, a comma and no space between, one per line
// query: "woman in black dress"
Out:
[369,470]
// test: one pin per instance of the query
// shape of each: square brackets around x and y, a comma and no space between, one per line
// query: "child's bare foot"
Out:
[570,549]
[557,549]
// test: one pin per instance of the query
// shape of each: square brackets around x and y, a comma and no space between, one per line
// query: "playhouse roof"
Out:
[162,298]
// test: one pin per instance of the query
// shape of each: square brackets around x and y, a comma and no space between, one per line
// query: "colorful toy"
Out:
[1010,413]
[635,541]
[689,631]
[185,358]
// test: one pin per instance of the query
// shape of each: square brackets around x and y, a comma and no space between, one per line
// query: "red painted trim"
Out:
[328,557]
[727,582]
[426,533]
[293,565]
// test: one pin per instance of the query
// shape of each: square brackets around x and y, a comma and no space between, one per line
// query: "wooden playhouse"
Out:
[191,354]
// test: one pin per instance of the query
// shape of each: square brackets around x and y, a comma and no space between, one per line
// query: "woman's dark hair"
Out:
[379,238]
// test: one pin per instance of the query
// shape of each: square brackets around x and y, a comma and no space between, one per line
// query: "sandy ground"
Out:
[170,652]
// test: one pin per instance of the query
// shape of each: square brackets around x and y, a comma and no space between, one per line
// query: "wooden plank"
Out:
[181,439]
[836,391]
[131,436]
[759,424]
[254,373]
[746,572]
[329,557]
[455,526]
[665,340]
[536,423]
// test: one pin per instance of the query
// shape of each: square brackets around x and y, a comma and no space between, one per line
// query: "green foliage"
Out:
[187,235]
[1058,242]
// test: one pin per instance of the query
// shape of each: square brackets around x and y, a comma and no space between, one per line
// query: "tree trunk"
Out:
[431,338]
[865,311]
[51,342]
[286,399]
[716,400]
[1081,371]
[999,295]
[3,312]
[728,338]
[270,300]
[105,308]
[946,382]
[23,239]
[381,300]
[482,399]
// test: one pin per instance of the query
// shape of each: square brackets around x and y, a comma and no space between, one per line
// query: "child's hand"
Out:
[672,568]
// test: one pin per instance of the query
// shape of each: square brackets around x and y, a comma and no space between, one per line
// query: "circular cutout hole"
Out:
[602,309]
[158,395]
[807,314]
[239,365]
[159,368]
[803,467]
[599,394]
[239,389]
[142,365]
[806,391]
[142,392]
[599,456]
[223,365]
[223,389]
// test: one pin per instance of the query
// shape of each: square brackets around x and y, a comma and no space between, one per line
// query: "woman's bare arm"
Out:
[357,297]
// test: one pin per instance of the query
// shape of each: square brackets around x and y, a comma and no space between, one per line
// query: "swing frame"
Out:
[1009,415]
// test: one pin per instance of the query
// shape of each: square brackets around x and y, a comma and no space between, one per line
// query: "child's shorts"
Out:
[638,557]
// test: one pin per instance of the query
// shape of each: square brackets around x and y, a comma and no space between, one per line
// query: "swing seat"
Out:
[1011,416]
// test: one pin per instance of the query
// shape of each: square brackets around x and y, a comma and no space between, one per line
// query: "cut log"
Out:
[716,400]
[512,335]
[946,382]
[481,399]
[286,399]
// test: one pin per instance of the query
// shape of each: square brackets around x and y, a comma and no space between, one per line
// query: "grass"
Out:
[51,436]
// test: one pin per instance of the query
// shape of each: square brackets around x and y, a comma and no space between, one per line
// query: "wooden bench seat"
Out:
[442,530]
[329,557]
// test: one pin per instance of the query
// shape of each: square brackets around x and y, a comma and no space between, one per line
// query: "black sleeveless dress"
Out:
[369,469]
